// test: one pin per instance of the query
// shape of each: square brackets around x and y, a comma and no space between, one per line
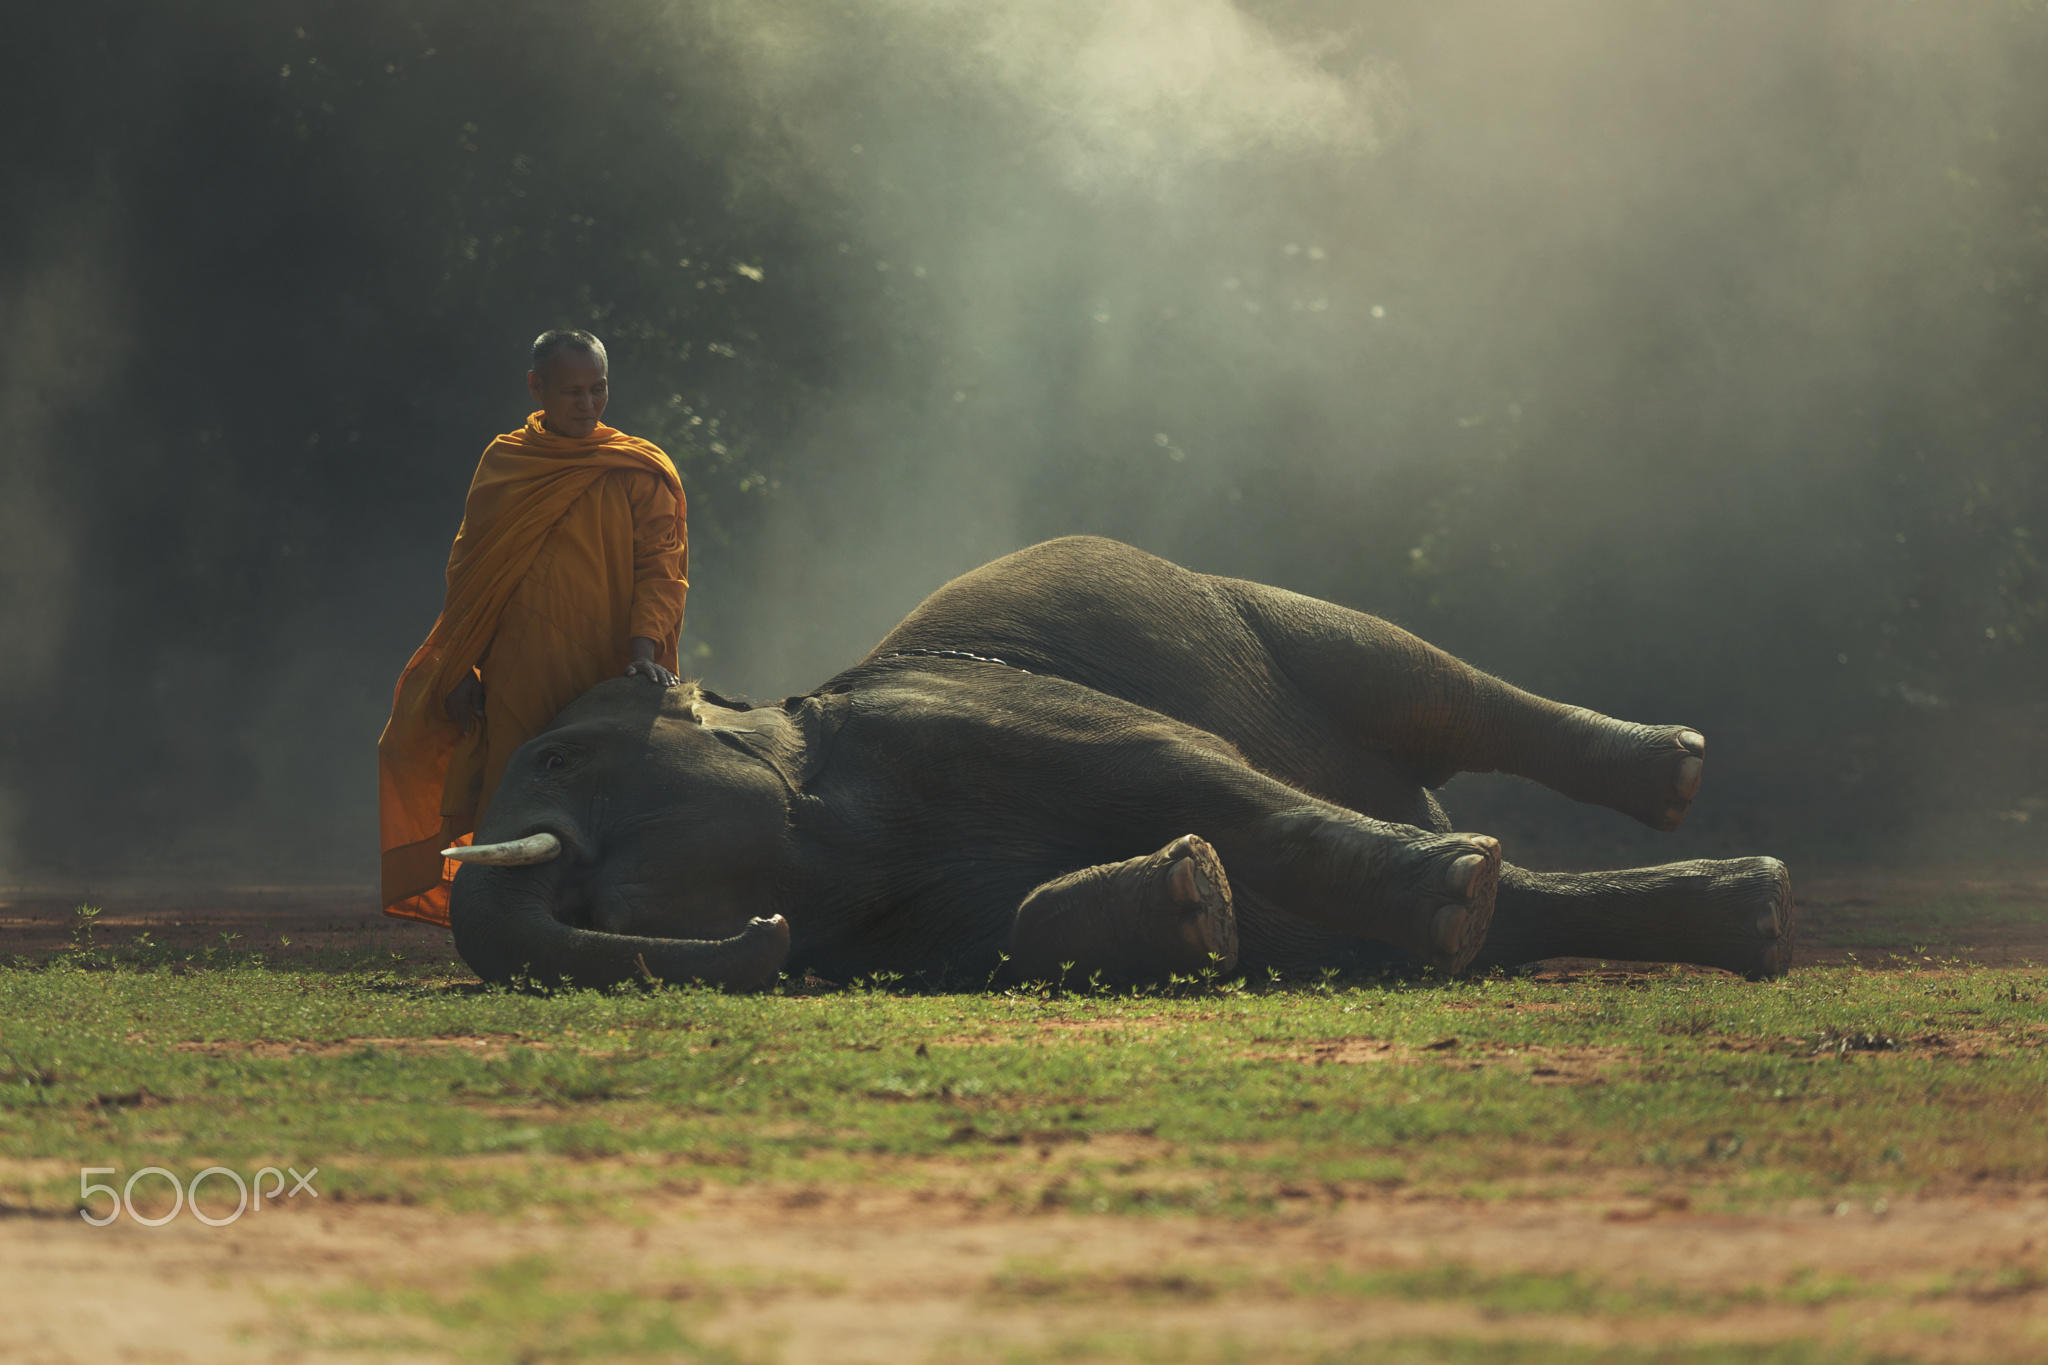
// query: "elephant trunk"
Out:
[506,930]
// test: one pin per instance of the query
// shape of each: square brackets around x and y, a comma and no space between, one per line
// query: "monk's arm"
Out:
[465,701]
[661,575]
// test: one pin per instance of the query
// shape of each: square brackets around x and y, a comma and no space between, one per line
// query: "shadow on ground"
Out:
[307,928]
[1994,917]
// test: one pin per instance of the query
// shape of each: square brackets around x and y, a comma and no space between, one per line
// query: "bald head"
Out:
[557,340]
[569,380]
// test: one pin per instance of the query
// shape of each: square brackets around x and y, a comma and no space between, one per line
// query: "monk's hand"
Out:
[644,664]
[465,703]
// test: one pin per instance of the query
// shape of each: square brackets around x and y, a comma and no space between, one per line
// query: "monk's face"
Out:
[571,394]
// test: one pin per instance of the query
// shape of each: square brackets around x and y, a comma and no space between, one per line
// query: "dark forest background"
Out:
[1686,361]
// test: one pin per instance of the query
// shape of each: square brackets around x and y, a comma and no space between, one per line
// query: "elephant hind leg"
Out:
[1734,914]
[1437,716]
[1651,772]
[1144,919]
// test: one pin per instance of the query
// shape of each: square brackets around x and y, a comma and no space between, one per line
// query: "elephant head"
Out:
[642,835]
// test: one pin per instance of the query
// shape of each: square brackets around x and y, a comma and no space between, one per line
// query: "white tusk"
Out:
[534,848]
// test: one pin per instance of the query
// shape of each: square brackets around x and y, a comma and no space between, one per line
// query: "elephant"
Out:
[1084,762]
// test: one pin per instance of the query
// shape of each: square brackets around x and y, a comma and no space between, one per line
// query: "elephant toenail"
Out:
[1693,742]
[1465,871]
[1767,924]
[1689,777]
[1447,930]
[1185,881]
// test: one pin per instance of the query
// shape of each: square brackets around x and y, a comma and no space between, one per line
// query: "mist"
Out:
[1681,361]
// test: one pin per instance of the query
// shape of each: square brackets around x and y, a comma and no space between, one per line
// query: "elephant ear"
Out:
[730,703]
[812,724]
[681,701]
[691,701]
[791,737]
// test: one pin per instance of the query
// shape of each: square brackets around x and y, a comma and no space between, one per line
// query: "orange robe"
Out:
[568,549]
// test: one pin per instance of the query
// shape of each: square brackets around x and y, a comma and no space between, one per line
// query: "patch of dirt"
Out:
[1531,1006]
[1544,1061]
[807,1274]
[1545,1065]
[1867,916]
[483,1045]
[1844,914]
[329,927]
[1097,1029]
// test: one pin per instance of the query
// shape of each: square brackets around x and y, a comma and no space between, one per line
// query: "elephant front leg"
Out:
[1428,894]
[1141,920]
[1735,915]
[1130,778]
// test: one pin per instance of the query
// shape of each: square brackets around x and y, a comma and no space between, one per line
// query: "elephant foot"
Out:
[1452,883]
[1197,900]
[1145,919]
[1735,914]
[1745,924]
[1650,772]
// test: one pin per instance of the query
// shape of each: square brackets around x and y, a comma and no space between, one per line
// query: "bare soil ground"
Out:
[870,1274]
[297,926]
[1869,909]
[805,1276]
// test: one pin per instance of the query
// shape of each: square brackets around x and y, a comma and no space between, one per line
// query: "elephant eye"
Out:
[552,760]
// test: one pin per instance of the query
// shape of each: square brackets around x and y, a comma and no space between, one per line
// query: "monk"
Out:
[571,566]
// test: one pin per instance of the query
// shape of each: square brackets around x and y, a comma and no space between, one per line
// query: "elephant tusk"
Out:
[534,848]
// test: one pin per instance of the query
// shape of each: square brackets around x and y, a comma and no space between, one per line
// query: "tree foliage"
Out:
[1684,361]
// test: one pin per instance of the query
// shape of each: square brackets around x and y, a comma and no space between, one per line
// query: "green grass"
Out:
[1839,1083]
[406,1084]
[504,1310]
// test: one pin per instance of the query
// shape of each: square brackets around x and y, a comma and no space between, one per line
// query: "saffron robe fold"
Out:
[568,549]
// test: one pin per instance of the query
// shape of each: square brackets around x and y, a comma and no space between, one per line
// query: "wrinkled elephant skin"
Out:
[1082,760]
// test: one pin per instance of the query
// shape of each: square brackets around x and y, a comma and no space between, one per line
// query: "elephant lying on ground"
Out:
[1082,760]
